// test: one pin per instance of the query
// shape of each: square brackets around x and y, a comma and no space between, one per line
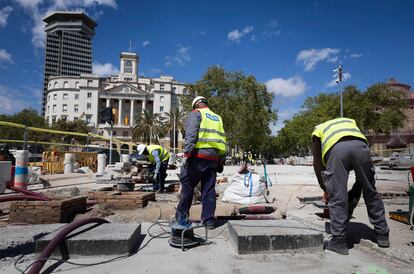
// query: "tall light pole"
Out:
[338,75]
[174,135]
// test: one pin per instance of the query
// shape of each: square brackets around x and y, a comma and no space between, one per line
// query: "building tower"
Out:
[68,46]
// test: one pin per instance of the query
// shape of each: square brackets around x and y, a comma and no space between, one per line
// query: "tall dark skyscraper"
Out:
[68,46]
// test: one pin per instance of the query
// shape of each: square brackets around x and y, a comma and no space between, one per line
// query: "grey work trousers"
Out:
[342,158]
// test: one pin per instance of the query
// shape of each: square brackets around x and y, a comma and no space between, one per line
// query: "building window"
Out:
[65,96]
[76,108]
[88,118]
[48,109]
[89,95]
[54,96]
[185,90]
[75,118]
[76,96]
[113,133]
[64,117]
[89,83]
[161,109]
[127,66]
[161,86]
[64,107]
[161,98]
[65,84]
[47,119]
[55,85]
[53,119]
[77,85]
[125,89]
[174,89]
[88,106]
[54,108]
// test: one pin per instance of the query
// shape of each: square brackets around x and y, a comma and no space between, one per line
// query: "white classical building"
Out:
[84,97]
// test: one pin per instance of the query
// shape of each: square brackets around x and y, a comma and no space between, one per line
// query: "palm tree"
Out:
[148,127]
[176,116]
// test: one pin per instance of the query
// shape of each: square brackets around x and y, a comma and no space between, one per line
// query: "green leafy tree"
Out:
[244,105]
[28,117]
[148,127]
[178,116]
[71,126]
[377,110]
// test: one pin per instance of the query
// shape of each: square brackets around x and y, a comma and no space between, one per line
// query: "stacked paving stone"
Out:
[122,199]
[61,210]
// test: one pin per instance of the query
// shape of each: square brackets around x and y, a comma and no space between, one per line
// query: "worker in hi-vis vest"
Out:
[160,156]
[339,147]
[204,155]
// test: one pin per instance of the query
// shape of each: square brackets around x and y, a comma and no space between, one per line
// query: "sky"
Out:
[291,46]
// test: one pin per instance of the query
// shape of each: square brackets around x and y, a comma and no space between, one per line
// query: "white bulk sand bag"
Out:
[245,189]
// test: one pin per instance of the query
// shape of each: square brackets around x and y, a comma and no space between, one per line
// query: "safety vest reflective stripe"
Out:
[336,123]
[211,140]
[338,131]
[332,131]
[162,152]
[212,131]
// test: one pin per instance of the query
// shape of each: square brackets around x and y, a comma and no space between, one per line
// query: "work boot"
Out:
[210,225]
[383,240]
[338,245]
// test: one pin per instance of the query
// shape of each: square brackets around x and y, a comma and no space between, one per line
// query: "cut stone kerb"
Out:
[266,236]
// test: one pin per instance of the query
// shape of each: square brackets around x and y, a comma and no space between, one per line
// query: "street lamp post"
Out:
[338,75]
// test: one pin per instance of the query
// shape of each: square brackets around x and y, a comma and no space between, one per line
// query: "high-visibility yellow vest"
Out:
[162,152]
[332,131]
[211,133]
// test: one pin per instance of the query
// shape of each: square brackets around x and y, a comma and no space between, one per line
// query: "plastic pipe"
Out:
[28,192]
[60,236]
[69,163]
[21,177]
[5,176]
[101,164]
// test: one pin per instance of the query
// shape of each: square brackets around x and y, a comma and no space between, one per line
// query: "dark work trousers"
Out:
[159,183]
[194,171]
[342,158]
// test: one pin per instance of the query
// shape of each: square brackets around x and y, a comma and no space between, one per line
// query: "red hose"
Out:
[40,262]
[20,197]
[256,209]
[28,192]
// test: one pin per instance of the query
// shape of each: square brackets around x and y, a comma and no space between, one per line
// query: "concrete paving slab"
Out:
[92,240]
[250,236]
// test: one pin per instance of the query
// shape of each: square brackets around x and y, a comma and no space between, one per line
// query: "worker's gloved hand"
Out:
[219,168]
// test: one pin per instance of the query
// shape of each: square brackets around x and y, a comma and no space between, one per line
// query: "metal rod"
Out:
[342,108]
[174,134]
[110,145]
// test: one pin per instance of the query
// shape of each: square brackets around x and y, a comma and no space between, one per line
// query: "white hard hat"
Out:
[141,149]
[198,98]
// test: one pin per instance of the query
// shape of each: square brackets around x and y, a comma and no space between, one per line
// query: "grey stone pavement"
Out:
[220,256]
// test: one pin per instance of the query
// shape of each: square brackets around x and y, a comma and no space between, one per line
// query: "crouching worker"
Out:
[158,155]
[204,156]
[339,147]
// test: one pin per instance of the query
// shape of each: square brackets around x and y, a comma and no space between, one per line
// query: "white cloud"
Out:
[290,87]
[38,9]
[5,57]
[271,28]
[311,57]
[4,15]
[281,117]
[145,43]
[346,76]
[13,100]
[103,70]
[181,57]
[236,35]
[355,55]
